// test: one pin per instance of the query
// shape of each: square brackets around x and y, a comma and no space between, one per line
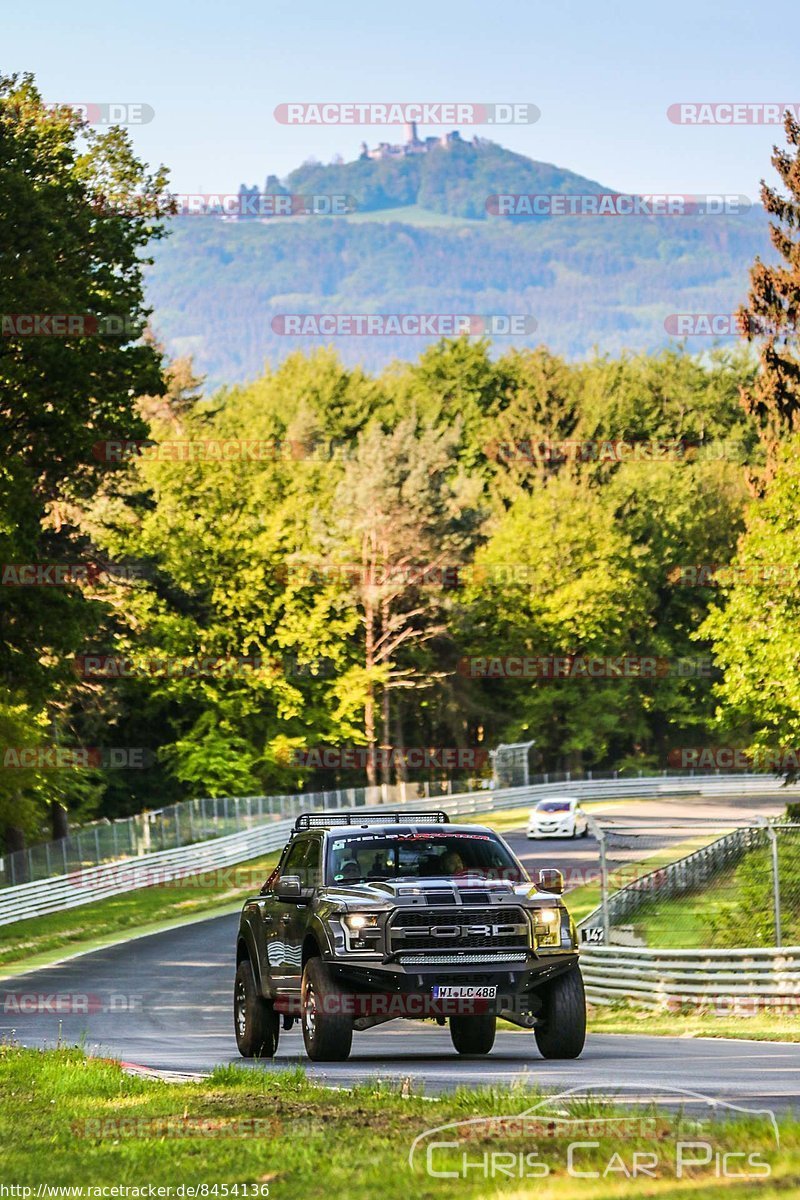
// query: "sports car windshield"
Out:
[357,859]
[550,806]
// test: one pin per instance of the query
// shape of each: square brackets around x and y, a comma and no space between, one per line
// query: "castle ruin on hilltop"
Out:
[413,144]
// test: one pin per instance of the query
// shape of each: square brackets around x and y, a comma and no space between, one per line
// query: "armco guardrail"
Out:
[724,980]
[184,824]
[200,820]
[111,879]
[84,886]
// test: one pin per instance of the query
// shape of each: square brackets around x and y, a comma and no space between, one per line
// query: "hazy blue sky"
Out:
[602,74]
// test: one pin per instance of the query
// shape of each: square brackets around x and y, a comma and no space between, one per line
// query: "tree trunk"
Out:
[15,844]
[59,821]
[401,771]
[15,839]
[386,757]
[369,701]
[369,729]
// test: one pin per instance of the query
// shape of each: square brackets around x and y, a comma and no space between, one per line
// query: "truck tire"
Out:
[254,1019]
[473,1035]
[561,1028]
[327,1029]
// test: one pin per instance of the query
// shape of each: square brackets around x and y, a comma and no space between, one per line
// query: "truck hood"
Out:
[386,893]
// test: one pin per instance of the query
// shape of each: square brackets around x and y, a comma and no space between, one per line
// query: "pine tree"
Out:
[773,307]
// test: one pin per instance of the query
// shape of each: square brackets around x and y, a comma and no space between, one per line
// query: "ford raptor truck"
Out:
[372,916]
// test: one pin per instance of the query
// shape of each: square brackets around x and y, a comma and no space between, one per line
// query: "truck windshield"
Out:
[353,859]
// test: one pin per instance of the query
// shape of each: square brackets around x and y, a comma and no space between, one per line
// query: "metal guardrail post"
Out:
[598,832]
[776,883]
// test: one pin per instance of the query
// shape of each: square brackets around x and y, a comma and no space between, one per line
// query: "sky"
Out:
[602,74]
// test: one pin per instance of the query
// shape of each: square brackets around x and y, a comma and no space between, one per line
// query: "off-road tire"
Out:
[560,1031]
[255,1021]
[473,1035]
[327,1028]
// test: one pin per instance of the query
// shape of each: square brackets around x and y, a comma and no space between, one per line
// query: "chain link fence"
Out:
[691,885]
[192,821]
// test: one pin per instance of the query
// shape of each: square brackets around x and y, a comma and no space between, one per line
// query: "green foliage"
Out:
[77,210]
[749,920]
[463,547]
[753,627]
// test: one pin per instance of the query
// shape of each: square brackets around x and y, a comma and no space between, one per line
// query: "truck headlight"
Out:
[358,921]
[546,916]
[546,926]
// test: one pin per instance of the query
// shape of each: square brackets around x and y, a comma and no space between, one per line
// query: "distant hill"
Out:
[421,241]
[455,180]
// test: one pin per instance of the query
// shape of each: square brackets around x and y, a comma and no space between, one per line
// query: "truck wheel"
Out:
[327,1029]
[473,1035]
[254,1018]
[561,1031]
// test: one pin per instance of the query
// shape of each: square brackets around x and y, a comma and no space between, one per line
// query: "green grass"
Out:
[31,942]
[734,909]
[683,922]
[67,1120]
[583,900]
[761,1027]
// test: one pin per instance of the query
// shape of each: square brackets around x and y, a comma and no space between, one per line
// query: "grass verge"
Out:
[764,1026]
[144,910]
[66,1120]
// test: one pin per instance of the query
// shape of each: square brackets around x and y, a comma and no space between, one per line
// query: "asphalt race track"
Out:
[165,1001]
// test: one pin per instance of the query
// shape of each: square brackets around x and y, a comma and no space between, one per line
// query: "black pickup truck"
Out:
[372,916]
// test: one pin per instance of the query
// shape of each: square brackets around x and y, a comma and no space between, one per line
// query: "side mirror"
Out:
[549,879]
[289,887]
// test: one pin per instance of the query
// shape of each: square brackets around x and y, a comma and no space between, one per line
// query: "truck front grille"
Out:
[459,929]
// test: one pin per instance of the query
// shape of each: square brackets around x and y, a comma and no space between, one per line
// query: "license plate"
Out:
[465,993]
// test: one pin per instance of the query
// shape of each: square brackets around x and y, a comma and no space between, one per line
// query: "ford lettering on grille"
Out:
[495,928]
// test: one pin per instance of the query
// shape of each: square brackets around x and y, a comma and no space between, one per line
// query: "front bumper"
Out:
[517,982]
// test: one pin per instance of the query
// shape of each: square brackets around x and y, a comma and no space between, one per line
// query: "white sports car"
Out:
[559,817]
